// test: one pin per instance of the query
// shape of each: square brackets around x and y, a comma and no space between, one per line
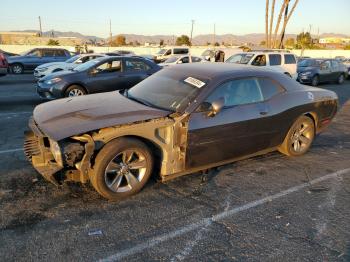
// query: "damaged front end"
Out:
[67,160]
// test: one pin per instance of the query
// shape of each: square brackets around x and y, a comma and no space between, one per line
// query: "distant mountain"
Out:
[254,38]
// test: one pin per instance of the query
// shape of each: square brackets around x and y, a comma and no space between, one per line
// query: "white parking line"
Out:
[149,243]
[10,150]
[15,113]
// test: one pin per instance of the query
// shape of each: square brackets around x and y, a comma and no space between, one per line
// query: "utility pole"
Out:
[214,37]
[110,33]
[40,28]
[192,30]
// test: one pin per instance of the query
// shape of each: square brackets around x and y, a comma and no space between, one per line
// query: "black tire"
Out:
[75,90]
[315,81]
[287,74]
[289,146]
[112,156]
[341,79]
[17,69]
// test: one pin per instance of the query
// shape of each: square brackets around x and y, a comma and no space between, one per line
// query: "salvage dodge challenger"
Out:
[181,120]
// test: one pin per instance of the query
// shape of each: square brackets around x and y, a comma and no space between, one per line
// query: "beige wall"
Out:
[194,50]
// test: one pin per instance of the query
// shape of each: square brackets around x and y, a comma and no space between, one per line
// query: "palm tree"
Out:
[271,23]
[278,22]
[267,24]
[286,19]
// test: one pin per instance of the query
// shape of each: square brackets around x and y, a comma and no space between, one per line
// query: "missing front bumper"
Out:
[40,156]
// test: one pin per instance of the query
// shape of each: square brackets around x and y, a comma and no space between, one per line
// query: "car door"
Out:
[335,70]
[290,64]
[33,59]
[135,70]
[60,55]
[232,132]
[105,76]
[48,56]
[325,71]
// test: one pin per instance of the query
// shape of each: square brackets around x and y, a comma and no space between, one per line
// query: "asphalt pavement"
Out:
[268,208]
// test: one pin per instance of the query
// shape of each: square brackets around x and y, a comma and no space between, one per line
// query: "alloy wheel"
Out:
[17,69]
[302,137]
[75,92]
[125,171]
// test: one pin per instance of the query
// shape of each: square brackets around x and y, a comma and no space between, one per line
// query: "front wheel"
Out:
[74,90]
[17,69]
[123,166]
[341,79]
[315,80]
[299,137]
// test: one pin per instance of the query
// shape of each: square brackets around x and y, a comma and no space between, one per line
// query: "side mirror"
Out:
[216,107]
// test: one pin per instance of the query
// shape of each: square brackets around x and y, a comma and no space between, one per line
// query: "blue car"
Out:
[102,74]
[31,59]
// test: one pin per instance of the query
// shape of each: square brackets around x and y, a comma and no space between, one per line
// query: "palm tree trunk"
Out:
[286,19]
[271,23]
[278,22]
[267,24]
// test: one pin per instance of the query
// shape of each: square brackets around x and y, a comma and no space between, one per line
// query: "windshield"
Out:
[26,52]
[161,51]
[208,53]
[73,59]
[240,58]
[171,60]
[87,65]
[167,91]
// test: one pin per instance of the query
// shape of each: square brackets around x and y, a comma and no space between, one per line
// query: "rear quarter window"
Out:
[289,59]
[269,88]
[275,59]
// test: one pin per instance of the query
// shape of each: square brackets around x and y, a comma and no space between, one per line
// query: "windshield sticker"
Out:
[195,82]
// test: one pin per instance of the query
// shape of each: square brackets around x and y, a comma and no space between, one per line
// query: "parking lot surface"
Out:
[269,208]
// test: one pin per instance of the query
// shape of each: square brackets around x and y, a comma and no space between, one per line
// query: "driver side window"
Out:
[110,66]
[237,92]
[260,60]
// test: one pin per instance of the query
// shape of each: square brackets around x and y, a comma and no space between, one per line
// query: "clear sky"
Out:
[151,17]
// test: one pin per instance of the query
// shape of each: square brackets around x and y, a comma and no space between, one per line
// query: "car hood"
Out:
[63,118]
[62,74]
[51,64]
[305,68]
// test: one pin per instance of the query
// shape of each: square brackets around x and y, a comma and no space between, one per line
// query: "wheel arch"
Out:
[314,118]
[155,150]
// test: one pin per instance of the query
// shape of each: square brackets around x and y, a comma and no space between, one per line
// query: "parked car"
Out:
[3,65]
[99,75]
[181,120]
[181,59]
[283,62]
[212,55]
[35,57]
[165,53]
[53,67]
[347,64]
[316,71]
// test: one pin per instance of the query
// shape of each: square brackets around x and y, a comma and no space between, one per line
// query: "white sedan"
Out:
[182,59]
[48,68]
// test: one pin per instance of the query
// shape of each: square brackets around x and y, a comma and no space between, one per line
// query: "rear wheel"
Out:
[299,137]
[341,79]
[17,69]
[123,166]
[74,90]
[315,80]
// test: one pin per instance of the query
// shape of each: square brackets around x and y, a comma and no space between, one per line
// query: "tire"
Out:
[115,174]
[17,69]
[301,133]
[341,79]
[75,90]
[287,74]
[315,80]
